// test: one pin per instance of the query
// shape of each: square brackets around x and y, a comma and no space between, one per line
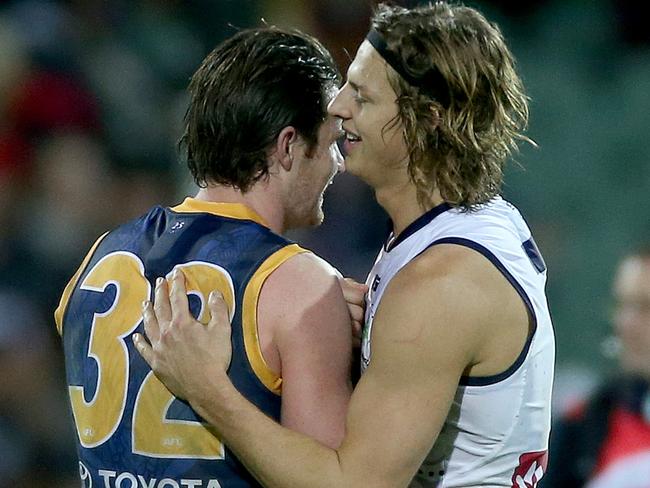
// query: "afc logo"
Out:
[530,470]
[375,283]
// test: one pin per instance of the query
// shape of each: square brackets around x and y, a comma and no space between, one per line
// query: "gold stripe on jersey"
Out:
[232,210]
[249,317]
[63,304]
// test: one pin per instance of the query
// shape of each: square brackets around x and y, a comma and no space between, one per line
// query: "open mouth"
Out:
[351,136]
[347,142]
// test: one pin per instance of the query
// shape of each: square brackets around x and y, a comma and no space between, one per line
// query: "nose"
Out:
[339,107]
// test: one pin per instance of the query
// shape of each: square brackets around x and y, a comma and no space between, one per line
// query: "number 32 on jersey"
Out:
[97,419]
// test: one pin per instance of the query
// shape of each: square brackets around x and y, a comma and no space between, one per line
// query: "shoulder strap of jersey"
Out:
[63,304]
[266,375]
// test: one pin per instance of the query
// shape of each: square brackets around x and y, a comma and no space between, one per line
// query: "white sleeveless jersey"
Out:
[496,433]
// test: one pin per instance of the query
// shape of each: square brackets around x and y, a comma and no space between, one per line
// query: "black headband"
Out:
[432,83]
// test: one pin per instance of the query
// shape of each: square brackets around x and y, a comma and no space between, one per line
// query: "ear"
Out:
[284,146]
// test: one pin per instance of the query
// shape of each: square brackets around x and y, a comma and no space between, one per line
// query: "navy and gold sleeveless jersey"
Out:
[131,431]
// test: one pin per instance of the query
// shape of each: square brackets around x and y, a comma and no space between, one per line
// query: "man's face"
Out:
[367,105]
[313,174]
[632,313]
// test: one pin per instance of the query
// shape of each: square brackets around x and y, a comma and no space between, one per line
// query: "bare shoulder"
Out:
[304,274]
[455,300]
[447,262]
[442,281]
[308,264]
[303,284]
[453,274]
[439,298]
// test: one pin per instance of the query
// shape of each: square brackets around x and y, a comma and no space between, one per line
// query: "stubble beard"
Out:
[306,217]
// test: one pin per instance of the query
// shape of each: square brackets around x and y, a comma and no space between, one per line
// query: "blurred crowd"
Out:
[92,95]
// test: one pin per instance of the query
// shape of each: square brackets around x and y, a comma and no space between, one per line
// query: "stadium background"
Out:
[91,104]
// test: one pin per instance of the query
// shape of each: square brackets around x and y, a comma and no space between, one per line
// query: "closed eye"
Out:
[359,99]
[357,93]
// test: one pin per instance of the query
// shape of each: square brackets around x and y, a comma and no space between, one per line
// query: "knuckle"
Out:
[176,322]
[165,336]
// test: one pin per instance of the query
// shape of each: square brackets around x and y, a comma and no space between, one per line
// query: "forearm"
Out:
[257,441]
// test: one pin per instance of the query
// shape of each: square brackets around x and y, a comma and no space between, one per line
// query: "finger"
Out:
[356,334]
[354,298]
[151,327]
[356,329]
[162,308]
[180,307]
[353,292]
[144,349]
[356,312]
[353,284]
[356,340]
[219,316]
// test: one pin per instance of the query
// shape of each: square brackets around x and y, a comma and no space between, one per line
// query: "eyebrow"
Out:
[360,88]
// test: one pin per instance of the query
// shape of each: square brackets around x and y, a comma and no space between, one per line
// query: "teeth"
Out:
[351,137]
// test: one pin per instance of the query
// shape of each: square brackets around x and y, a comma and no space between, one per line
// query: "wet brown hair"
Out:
[244,93]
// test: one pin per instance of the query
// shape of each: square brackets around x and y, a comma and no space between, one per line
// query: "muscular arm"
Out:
[304,328]
[426,333]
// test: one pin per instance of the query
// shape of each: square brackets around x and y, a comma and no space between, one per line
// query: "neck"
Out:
[402,206]
[261,198]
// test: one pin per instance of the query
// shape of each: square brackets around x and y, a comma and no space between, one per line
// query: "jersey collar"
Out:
[415,226]
[231,210]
